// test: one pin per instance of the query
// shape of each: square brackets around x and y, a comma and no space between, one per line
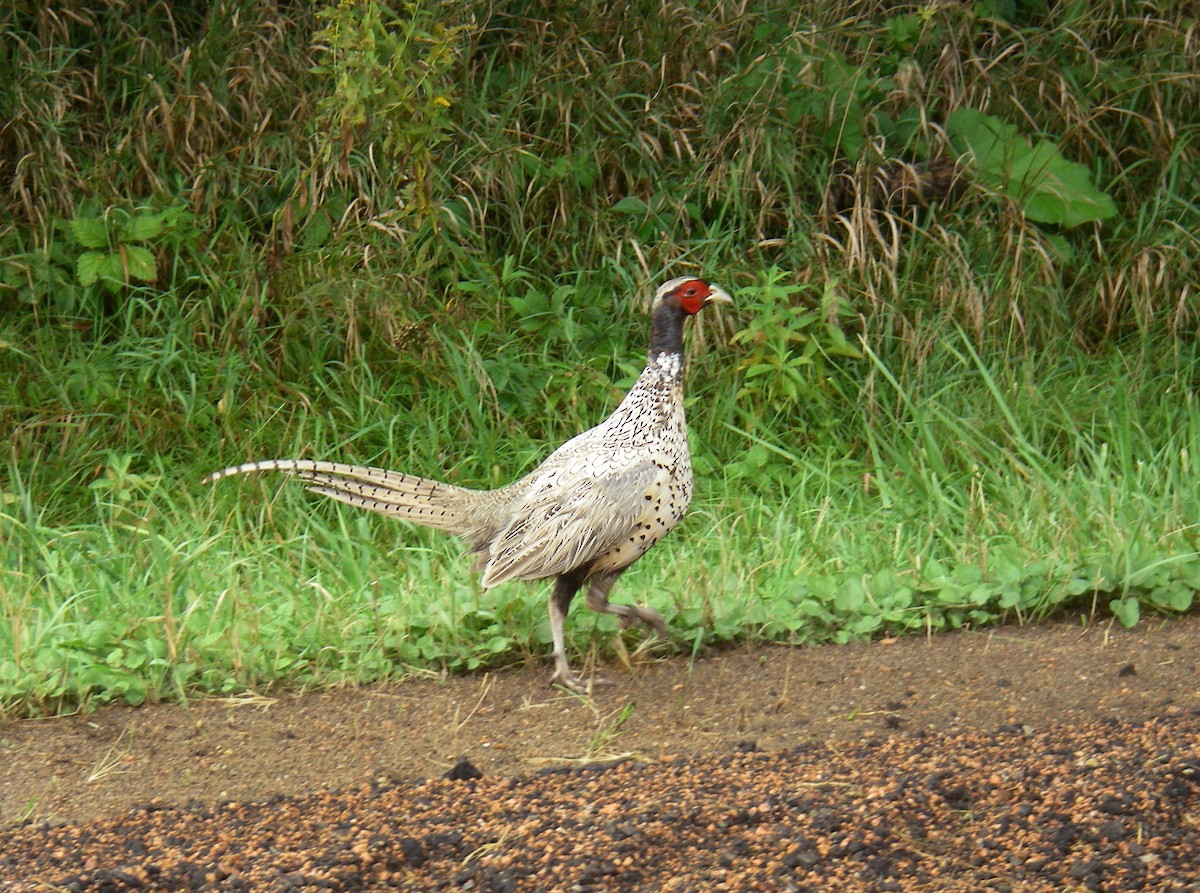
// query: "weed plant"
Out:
[425,236]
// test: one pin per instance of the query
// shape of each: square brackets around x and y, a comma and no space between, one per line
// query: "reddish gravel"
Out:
[1056,757]
[1103,806]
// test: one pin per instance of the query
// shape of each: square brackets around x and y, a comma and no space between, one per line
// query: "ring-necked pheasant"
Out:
[584,515]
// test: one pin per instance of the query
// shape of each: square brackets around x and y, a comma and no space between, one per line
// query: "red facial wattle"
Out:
[693,294]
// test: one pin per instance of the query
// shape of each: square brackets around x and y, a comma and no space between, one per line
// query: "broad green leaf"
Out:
[112,272]
[89,232]
[140,263]
[141,227]
[1127,610]
[497,644]
[1059,191]
[112,268]
[87,267]
[1180,598]
[1048,187]
[988,140]
[631,204]
[1062,248]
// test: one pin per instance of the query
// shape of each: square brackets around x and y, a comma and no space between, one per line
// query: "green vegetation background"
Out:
[424,237]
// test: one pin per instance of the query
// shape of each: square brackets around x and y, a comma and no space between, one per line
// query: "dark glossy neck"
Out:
[666,330]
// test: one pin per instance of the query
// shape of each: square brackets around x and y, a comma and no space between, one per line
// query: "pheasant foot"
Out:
[597,600]
[640,614]
[568,680]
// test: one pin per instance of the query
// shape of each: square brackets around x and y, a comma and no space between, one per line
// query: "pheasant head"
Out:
[674,301]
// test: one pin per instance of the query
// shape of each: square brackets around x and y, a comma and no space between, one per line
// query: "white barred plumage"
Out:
[592,508]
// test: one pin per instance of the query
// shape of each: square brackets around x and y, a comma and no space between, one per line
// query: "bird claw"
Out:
[568,680]
[571,682]
[627,615]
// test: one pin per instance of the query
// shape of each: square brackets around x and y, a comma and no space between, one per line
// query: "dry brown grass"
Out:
[729,123]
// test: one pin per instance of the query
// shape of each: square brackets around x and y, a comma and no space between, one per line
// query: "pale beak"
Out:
[717,296]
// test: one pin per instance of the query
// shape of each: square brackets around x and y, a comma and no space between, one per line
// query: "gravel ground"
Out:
[1061,757]
[1105,806]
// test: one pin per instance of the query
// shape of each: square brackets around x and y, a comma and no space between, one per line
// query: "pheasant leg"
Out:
[564,590]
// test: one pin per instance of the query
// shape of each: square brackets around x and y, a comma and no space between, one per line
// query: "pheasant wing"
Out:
[572,514]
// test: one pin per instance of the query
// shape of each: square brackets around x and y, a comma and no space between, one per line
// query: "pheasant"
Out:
[591,509]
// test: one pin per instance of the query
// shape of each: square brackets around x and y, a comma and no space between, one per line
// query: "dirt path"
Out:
[1080,742]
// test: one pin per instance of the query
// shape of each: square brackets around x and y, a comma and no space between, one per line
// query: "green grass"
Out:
[1002,494]
[237,245]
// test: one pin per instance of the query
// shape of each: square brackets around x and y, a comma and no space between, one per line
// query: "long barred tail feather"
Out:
[419,500]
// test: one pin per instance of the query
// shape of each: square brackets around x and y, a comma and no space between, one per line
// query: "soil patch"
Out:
[761,741]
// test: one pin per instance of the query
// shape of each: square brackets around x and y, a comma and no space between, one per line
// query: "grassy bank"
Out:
[997,494]
[427,240]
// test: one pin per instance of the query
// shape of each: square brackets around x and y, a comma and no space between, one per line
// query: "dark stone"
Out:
[463,770]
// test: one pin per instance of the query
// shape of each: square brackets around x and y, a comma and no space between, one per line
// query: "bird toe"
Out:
[648,617]
[569,681]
